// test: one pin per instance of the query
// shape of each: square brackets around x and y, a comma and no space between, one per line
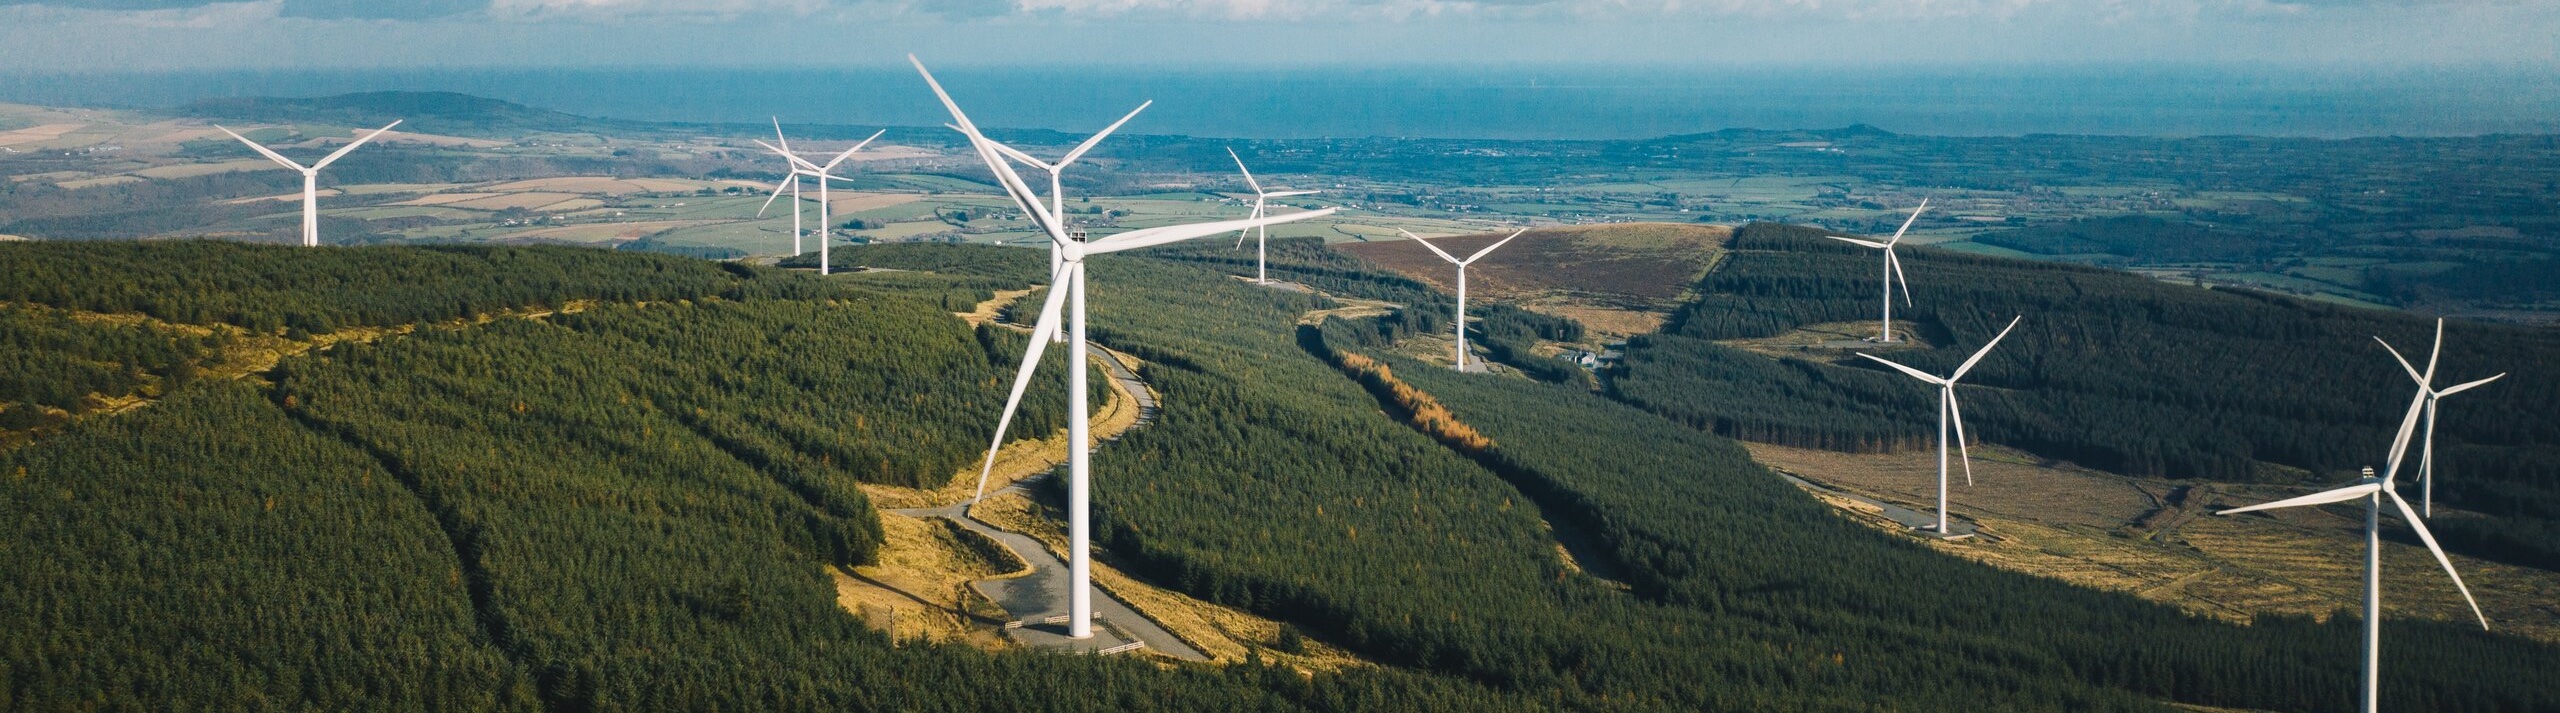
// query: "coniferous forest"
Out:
[627,506]
[2113,371]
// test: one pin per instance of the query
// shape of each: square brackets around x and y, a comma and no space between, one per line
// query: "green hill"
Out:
[627,506]
[2113,371]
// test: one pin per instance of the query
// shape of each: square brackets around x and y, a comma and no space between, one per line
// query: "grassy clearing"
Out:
[2158,540]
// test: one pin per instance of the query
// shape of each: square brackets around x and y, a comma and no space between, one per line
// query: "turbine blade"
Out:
[2404,363]
[1286,194]
[1915,373]
[2468,387]
[1046,325]
[1248,173]
[2420,525]
[1151,237]
[1986,349]
[777,135]
[2438,351]
[1488,250]
[2408,430]
[2320,498]
[1906,222]
[262,150]
[342,150]
[1956,413]
[848,153]
[797,163]
[1095,139]
[1018,155]
[1257,213]
[777,193]
[1004,173]
[1868,243]
[1435,249]
[1898,277]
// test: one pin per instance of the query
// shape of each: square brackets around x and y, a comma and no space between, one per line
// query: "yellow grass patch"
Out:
[191,170]
[33,134]
[447,198]
[919,590]
[572,205]
[503,201]
[2143,536]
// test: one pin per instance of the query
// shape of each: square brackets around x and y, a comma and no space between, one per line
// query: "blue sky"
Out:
[77,35]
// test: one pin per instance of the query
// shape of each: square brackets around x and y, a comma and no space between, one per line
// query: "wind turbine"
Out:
[2372,490]
[1462,281]
[2429,394]
[1057,196]
[802,167]
[1949,412]
[1067,295]
[310,178]
[792,179]
[1892,268]
[1261,247]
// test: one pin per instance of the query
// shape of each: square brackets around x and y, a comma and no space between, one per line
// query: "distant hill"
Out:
[1640,261]
[426,112]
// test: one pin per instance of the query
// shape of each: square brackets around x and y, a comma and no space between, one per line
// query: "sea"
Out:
[1459,102]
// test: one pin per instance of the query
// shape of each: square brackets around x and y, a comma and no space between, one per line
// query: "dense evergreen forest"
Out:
[1377,537]
[628,507]
[2114,371]
[625,508]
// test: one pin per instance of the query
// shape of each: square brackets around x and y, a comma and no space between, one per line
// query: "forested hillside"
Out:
[2113,371]
[1271,484]
[628,507]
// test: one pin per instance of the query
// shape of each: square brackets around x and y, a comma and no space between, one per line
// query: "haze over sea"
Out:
[1522,102]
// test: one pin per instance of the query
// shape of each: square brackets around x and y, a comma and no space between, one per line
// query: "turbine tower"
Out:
[2372,490]
[1892,268]
[1462,282]
[803,167]
[2428,393]
[1067,296]
[1261,245]
[791,178]
[1949,412]
[310,178]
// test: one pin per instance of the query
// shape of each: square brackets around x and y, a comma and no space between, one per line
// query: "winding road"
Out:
[1039,597]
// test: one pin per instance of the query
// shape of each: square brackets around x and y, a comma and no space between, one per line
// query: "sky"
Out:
[105,35]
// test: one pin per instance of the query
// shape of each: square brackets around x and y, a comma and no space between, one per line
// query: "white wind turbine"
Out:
[791,177]
[1462,282]
[801,167]
[1892,268]
[2372,490]
[310,178]
[2428,393]
[1261,245]
[1067,296]
[1057,195]
[1949,412]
